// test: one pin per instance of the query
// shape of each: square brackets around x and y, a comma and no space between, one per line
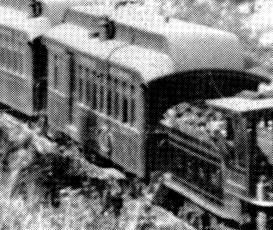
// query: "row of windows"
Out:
[12,60]
[9,41]
[12,53]
[107,94]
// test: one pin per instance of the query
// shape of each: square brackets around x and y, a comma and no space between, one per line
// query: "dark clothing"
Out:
[117,201]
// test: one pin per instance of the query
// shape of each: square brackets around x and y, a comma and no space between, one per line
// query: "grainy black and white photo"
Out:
[136,115]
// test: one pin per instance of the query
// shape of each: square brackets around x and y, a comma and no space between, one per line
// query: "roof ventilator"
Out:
[36,8]
[108,29]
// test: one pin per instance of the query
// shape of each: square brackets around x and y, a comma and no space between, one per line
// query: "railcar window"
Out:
[88,92]
[94,102]
[56,72]
[116,99]
[8,59]
[88,86]
[1,50]
[20,63]
[15,61]
[133,104]
[2,55]
[109,95]
[124,104]
[101,92]
[96,92]
[125,109]
[80,83]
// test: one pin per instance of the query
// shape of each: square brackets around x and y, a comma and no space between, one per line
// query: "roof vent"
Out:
[36,8]
[108,29]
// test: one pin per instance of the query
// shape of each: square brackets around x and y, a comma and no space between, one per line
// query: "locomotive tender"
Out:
[105,77]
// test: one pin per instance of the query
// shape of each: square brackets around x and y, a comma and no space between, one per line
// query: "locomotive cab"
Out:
[219,156]
[252,147]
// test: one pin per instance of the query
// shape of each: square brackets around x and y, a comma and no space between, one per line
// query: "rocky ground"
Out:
[46,186]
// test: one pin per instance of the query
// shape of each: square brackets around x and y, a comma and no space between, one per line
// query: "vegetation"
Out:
[247,19]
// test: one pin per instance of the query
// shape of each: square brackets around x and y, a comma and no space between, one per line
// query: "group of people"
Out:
[186,116]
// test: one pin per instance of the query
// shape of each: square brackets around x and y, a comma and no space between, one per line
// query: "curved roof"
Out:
[150,64]
[185,41]
[55,9]
[19,20]
[89,16]
[98,10]
[239,104]
[77,38]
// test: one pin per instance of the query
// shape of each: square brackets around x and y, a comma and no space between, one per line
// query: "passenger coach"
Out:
[23,78]
[108,93]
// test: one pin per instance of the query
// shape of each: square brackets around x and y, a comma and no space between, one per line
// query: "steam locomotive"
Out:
[112,79]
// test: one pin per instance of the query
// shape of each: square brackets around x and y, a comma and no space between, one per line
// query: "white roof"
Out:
[55,9]
[150,64]
[186,41]
[77,37]
[19,20]
[94,9]
[238,104]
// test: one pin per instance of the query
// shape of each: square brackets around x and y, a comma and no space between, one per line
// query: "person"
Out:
[106,199]
[111,197]
[247,223]
[117,199]
[137,189]
[146,222]
[216,123]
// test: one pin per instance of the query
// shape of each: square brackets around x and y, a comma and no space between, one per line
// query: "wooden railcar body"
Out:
[23,80]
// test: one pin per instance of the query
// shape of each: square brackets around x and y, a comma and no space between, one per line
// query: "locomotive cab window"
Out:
[260,132]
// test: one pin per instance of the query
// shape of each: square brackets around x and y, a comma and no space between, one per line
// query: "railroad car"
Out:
[23,62]
[23,57]
[106,81]
[105,78]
